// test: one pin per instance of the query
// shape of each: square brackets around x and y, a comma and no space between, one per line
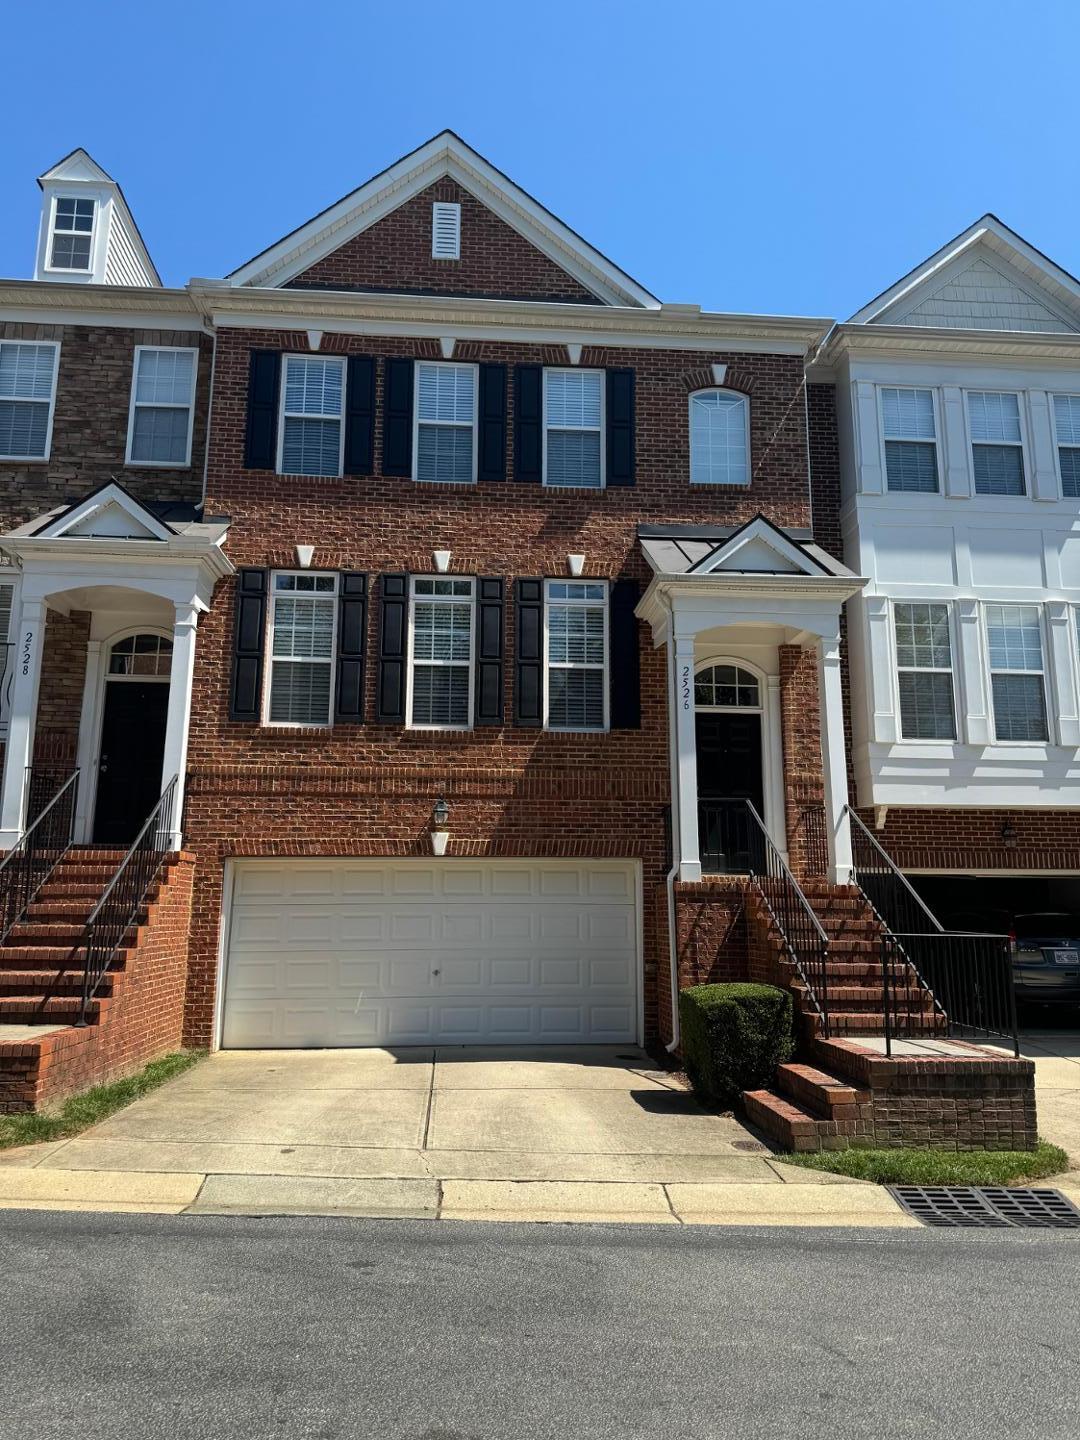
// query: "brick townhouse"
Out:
[472,659]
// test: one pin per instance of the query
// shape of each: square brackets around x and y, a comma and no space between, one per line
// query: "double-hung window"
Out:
[72,234]
[162,402]
[997,444]
[574,429]
[441,670]
[303,628]
[576,616]
[27,397]
[1067,434]
[445,446]
[907,423]
[924,671]
[719,438]
[1014,640]
[312,435]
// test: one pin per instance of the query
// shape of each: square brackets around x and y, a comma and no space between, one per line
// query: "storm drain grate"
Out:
[988,1208]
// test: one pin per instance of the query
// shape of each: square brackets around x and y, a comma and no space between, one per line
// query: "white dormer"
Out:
[87,233]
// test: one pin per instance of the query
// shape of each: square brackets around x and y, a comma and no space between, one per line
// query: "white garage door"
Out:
[408,952]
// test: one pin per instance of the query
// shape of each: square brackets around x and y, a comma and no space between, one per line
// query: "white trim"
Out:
[939,467]
[1049,712]
[110,494]
[1027,468]
[895,668]
[745,401]
[1058,445]
[135,404]
[330,662]
[446,664]
[92,233]
[573,429]
[38,459]
[283,387]
[228,886]
[604,605]
[456,424]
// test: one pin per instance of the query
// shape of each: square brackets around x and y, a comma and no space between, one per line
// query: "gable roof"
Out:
[108,513]
[986,278]
[78,166]
[758,547]
[445,154]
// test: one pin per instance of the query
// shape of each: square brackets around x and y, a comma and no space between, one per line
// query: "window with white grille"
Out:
[997,443]
[574,428]
[303,631]
[27,397]
[924,672]
[446,231]
[1014,641]
[1067,432]
[445,439]
[72,234]
[441,669]
[311,433]
[907,423]
[162,403]
[576,630]
[719,438]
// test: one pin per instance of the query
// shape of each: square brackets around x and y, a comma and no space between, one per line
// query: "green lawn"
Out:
[938,1167]
[84,1110]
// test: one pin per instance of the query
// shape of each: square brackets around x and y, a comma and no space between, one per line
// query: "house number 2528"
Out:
[27,650]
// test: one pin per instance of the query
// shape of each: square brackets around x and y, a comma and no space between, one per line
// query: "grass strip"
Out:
[79,1112]
[937,1167]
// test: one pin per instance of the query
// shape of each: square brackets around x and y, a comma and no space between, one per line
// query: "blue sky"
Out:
[783,157]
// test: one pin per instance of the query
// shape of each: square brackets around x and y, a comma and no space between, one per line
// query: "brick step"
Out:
[41,933]
[42,1009]
[816,1090]
[66,874]
[789,1123]
[34,957]
[57,911]
[859,997]
[867,970]
[51,982]
[908,1024]
[79,853]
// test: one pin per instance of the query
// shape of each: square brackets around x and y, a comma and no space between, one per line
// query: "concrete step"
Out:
[816,1090]
[787,1122]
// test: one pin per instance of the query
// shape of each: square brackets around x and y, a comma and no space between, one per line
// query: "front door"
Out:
[132,753]
[729,773]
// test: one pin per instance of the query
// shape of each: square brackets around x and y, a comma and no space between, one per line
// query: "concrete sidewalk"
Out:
[578,1134]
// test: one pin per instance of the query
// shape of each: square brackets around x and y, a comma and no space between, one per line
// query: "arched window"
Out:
[727,687]
[142,655]
[719,438]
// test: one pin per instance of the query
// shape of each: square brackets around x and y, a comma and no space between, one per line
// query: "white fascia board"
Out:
[49,302]
[111,494]
[881,341]
[758,530]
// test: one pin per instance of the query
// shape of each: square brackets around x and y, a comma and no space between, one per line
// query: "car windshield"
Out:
[1050,922]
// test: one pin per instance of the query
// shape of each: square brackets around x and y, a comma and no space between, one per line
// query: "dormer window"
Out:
[445,231]
[72,234]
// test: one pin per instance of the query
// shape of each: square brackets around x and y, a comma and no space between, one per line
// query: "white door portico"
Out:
[737,596]
[111,556]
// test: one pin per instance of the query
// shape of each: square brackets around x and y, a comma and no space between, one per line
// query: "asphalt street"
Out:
[118,1326]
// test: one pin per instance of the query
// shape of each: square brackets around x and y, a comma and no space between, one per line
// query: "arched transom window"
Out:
[719,438]
[143,655]
[727,687]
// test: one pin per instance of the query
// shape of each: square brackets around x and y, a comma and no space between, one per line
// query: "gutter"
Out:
[669,879]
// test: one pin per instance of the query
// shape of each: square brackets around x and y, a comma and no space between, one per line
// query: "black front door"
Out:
[132,751]
[729,773]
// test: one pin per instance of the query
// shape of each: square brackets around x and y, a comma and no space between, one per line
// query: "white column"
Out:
[181,675]
[883,726]
[88,740]
[1063,676]
[686,759]
[775,810]
[871,477]
[975,728]
[29,639]
[958,482]
[1044,480]
[834,758]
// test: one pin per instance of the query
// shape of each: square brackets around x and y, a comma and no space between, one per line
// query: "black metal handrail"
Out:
[897,903]
[801,932]
[724,835]
[118,909]
[7,679]
[969,976]
[43,844]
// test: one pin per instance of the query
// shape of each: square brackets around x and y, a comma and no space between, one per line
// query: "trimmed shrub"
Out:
[734,1037]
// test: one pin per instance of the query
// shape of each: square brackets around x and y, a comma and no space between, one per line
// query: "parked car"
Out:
[1046,957]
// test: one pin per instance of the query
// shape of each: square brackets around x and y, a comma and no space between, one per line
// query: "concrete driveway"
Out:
[579,1133]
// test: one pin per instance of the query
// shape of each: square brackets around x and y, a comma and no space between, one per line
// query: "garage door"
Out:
[363,952]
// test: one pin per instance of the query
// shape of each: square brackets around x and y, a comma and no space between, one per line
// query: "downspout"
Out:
[673,772]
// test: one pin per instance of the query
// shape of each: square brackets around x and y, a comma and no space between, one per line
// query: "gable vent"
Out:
[446,231]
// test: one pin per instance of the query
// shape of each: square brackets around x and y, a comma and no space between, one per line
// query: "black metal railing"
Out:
[118,909]
[898,904]
[726,839]
[44,843]
[800,930]
[813,837]
[969,978]
[7,679]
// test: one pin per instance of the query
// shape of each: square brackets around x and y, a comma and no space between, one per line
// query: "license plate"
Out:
[1066,957]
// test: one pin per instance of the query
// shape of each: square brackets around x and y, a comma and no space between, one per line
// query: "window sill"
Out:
[157,464]
[575,489]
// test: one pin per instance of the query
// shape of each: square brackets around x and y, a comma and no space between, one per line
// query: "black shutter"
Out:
[491,462]
[393,632]
[528,422]
[260,445]
[529,657]
[620,427]
[245,692]
[352,629]
[489,653]
[360,416]
[397,417]
[624,658]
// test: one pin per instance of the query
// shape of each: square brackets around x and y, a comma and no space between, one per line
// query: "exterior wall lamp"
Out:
[440,816]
